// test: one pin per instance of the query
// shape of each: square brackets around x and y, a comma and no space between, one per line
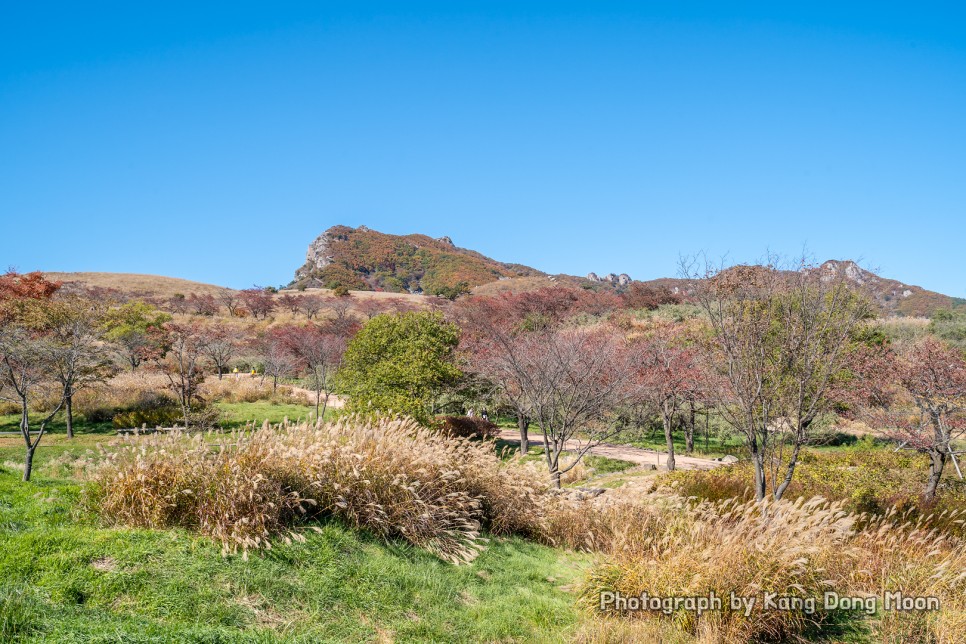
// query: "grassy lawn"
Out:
[63,578]
[237,414]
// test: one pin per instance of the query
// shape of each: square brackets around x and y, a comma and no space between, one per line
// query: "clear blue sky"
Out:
[215,142]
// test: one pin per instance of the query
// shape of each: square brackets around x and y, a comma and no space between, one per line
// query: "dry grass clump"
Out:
[916,558]
[623,519]
[390,476]
[793,548]
[748,548]
[234,388]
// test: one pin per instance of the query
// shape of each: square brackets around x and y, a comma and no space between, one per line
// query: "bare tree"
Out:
[220,345]
[781,341]
[182,362]
[230,300]
[340,306]
[76,350]
[27,347]
[310,305]
[277,358]
[289,302]
[26,373]
[319,349]
[571,380]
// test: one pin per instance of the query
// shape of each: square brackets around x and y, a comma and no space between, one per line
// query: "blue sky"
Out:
[215,142]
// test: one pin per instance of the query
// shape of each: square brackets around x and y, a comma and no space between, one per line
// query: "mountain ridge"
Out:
[365,259]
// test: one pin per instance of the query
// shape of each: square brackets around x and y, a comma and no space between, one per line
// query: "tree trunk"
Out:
[789,473]
[318,402]
[69,410]
[219,373]
[669,437]
[28,464]
[937,462]
[325,403]
[760,480]
[524,424]
[707,429]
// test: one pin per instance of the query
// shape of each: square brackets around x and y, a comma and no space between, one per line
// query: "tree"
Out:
[130,327]
[571,380]
[205,304]
[26,348]
[277,358]
[259,302]
[289,302]
[492,328]
[371,307]
[220,344]
[399,363]
[918,397]
[340,306]
[319,350]
[17,287]
[181,360]
[310,305]
[781,342]
[231,301]
[669,377]
[76,350]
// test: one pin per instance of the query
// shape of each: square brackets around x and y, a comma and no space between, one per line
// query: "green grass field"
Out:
[67,579]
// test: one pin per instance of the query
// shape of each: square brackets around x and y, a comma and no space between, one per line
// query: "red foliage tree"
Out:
[917,396]
[669,376]
[259,302]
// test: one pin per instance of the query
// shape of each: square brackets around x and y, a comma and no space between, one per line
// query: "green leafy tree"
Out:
[129,328]
[400,363]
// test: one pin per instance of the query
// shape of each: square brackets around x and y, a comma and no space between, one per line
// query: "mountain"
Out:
[892,296]
[365,259]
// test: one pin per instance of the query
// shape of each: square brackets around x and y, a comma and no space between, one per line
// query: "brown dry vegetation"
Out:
[389,476]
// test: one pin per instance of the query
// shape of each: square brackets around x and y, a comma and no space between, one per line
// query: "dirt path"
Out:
[624,453]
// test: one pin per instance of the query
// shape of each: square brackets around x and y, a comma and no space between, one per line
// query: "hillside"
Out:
[892,296]
[364,259]
[133,284]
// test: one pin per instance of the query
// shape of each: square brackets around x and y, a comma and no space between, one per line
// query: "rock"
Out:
[649,467]
[729,459]
[446,240]
[593,277]
[623,279]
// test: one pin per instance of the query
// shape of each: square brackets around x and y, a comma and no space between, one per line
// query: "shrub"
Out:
[866,479]
[390,476]
[467,427]
[165,416]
